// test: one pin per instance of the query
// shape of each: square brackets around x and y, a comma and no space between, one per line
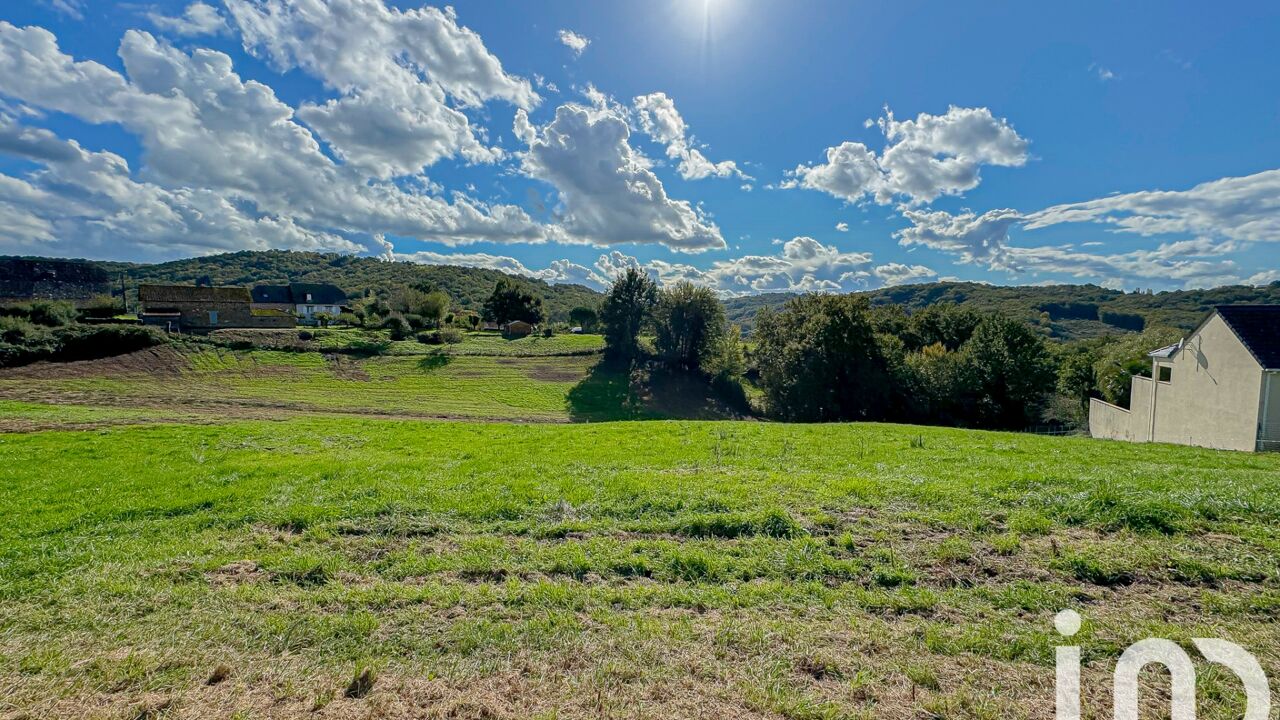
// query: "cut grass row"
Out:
[662,569]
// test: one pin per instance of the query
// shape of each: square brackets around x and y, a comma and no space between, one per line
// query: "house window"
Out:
[1166,373]
[213,317]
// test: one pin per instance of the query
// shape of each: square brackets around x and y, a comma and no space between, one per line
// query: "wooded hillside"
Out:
[1062,311]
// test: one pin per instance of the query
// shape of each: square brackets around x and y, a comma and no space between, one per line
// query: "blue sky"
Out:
[749,145]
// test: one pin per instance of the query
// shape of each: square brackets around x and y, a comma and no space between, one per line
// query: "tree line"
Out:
[827,358]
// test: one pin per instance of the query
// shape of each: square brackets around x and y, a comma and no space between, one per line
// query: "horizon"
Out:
[566,142]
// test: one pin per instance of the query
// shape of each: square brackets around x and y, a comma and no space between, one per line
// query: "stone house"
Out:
[304,300]
[202,309]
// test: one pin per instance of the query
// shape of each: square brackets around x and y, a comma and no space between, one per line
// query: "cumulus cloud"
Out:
[899,274]
[203,127]
[802,265]
[84,202]
[575,42]
[397,72]
[661,121]
[923,158]
[198,19]
[842,227]
[608,194]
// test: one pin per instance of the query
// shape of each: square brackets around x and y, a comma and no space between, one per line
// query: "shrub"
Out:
[431,338]
[451,336]
[102,306]
[548,332]
[399,327]
[49,313]
[305,335]
[87,342]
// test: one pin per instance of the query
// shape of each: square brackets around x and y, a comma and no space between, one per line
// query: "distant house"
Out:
[517,328]
[306,300]
[201,309]
[1219,387]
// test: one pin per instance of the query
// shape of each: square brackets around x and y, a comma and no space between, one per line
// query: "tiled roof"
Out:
[321,293]
[191,293]
[1258,327]
[272,294]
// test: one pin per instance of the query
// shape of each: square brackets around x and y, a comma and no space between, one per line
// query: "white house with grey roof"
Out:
[1219,387]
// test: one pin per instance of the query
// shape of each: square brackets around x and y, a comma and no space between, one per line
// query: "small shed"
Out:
[517,328]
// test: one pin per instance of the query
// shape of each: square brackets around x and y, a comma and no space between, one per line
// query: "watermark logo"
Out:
[1163,652]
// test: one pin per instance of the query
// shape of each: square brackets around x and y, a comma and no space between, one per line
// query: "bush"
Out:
[100,307]
[347,318]
[49,313]
[305,335]
[399,327]
[548,332]
[87,342]
[440,337]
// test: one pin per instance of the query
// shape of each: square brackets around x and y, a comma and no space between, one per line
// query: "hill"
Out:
[356,275]
[1063,311]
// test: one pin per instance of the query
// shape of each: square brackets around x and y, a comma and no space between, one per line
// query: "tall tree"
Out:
[1012,373]
[688,323]
[509,301]
[819,360]
[626,309]
[583,317]
[434,306]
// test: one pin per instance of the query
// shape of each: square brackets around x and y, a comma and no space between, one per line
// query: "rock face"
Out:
[44,279]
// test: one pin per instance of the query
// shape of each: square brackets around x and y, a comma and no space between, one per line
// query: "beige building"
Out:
[1219,387]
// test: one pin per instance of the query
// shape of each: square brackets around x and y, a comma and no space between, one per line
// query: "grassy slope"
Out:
[671,570]
[485,377]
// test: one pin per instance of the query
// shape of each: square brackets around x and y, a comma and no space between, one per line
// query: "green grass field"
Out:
[252,569]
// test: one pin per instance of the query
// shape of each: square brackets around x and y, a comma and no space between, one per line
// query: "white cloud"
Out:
[924,158]
[575,42]
[899,274]
[608,194]
[842,227]
[1237,208]
[198,19]
[204,131]
[558,272]
[87,203]
[802,265]
[396,71]
[984,240]
[1266,277]
[73,9]
[661,121]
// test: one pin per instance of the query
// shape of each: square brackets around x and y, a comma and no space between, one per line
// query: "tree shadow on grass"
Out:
[435,361]
[611,391]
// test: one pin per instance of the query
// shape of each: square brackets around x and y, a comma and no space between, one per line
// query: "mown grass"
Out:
[532,388]
[659,569]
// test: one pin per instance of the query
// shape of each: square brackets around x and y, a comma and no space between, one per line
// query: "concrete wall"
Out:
[1110,422]
[1269,433]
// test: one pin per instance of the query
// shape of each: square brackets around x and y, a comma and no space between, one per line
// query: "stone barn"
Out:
[202,309]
